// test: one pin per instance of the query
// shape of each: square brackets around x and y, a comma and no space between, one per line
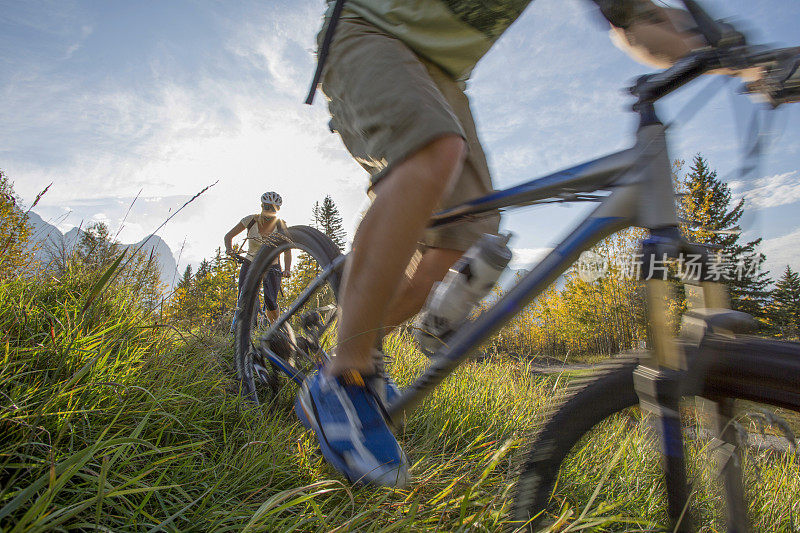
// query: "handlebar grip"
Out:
[780,84]
[651,87]
[790,93]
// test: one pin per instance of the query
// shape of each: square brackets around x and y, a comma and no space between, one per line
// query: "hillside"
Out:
[47,239]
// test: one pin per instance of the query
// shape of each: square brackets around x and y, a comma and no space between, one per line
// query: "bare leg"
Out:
[272,315]
[384,244]
[413,292]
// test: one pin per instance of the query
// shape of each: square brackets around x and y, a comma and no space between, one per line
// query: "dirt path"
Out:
[551,365]
[558,368]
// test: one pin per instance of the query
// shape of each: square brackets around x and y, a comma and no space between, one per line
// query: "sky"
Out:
[131,108]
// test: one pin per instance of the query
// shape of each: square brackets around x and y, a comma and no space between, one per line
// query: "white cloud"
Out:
[782,251]
[769,191]
[101,218]
[171,139]
[525,258]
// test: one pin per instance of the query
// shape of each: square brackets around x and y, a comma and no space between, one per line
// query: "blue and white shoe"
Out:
[384,387]
[351,429]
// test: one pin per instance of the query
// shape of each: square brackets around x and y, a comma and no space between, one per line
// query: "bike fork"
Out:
[659,395]
[729,466]
[658,386]
[725,445]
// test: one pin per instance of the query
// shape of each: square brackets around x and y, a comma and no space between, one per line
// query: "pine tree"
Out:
[186,280]
[96,247]
[708,203]
[328,220]
[785,312]
[203,270]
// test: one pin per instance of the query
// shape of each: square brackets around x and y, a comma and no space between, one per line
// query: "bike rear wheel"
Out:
[257,369]
[577,457]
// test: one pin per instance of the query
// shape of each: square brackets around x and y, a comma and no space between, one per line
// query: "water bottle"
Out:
[465,284]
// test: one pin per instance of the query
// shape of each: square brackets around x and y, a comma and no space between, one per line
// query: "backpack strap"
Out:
[251,224]
[322,53]
[282,228]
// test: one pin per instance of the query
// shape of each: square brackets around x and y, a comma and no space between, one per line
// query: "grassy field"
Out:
[109,422]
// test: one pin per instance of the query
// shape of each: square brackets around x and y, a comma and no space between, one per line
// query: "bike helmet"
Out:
[271,198]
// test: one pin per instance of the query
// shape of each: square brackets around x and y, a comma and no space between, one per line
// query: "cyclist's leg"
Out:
[410,297]
[443,246]
[272,281]
[396,123]
[384,244]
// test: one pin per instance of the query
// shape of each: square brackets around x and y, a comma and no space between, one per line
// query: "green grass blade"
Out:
[101,283]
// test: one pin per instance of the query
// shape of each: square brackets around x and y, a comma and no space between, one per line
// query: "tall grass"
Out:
[110,421]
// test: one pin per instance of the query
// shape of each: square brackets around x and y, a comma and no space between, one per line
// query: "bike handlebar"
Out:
[236,257]
[652,87]
[779,80]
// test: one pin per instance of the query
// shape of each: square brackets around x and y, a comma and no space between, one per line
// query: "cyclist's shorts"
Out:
[272,284]
[387,103]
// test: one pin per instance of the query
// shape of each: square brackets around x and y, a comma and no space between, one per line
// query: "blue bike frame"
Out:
[641,194]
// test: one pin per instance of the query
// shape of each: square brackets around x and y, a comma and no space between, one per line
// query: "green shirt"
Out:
[454,34]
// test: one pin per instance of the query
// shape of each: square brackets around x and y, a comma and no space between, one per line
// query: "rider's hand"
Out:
[229,251]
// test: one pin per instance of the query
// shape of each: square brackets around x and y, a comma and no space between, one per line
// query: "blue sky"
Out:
[107,99]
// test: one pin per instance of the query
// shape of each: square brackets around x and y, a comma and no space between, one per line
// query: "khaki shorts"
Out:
[387,103]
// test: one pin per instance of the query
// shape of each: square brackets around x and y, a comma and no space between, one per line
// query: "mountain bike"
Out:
[712,358]
[310,297]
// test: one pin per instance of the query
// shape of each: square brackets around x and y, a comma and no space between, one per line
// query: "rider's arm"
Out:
[236,230]
[287,262]
[659,36]
[654,35]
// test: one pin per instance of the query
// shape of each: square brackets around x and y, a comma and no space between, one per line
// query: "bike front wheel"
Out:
[304,336]
[595,461]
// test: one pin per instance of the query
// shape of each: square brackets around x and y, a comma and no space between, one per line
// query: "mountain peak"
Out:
[46,237]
